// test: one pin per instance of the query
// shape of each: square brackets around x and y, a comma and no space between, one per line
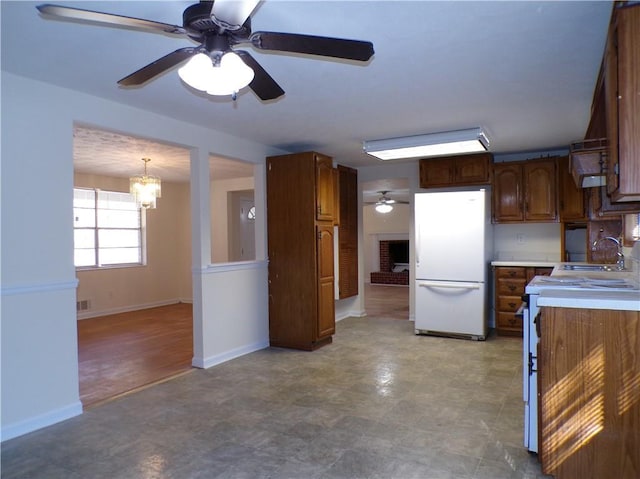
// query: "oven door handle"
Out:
[536,321]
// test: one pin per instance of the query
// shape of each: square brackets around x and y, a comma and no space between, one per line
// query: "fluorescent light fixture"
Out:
[456,142]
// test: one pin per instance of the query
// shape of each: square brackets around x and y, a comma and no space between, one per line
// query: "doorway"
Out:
[386,280]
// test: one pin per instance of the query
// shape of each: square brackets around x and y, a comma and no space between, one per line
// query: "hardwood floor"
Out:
[387,302]
[123,352]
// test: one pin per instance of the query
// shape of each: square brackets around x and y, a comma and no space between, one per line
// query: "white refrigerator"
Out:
[454,244]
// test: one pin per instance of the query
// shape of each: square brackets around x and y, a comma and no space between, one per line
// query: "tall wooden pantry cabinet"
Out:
[300,211]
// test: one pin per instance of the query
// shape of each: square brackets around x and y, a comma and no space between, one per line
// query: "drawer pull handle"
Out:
[511,287]
[512,305]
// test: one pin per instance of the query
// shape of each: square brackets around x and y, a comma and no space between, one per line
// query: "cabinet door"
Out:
[348,232]
[437,172]
[572,200]
[473,169]
[326,302]
[324,188]
[629,104]
[507,193]
[541,201]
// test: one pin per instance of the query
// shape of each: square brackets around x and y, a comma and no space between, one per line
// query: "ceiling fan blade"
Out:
[231,14]
[108,19]
[311,44]
[159,66]
[262,84]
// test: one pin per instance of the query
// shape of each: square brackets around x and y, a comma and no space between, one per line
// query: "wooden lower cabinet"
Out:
[589,394]
[510,283]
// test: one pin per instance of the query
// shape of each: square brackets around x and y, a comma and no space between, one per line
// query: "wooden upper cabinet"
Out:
[525,191]
[324,188]
[572,203]
[598,122]
[507,193]
[541,199]
[622,104]
[456,170]
[600,205]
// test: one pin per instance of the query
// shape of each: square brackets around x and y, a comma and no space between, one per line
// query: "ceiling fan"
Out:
[385,203]
[217,26]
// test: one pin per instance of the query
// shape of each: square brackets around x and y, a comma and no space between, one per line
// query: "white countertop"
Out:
[525,263]
[596,297]
[591,299]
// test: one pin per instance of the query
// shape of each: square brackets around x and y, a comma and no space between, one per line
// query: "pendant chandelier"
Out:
[145,188]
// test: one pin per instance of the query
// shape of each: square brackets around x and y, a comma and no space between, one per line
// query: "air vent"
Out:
[83,305]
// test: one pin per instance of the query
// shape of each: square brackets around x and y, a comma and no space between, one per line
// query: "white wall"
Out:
[527,241]
[39,346]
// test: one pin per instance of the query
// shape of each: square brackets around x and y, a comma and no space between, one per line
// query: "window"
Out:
[107,229]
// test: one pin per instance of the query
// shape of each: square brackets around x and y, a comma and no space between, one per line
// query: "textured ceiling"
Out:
[523,70]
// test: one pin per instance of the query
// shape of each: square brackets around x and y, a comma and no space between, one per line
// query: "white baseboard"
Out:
[28,425]
[127,309]
[211,361]
[350,314]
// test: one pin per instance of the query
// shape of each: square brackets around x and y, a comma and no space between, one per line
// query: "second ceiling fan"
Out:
[218,26]
[385,203]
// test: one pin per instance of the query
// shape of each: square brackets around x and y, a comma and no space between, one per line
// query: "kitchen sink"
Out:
[588,267]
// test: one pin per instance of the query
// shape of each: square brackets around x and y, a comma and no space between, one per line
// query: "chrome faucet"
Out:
[620,256]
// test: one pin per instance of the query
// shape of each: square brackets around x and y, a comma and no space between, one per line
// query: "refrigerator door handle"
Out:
[449,284]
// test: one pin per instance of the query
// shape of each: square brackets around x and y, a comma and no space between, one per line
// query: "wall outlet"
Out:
[521,239]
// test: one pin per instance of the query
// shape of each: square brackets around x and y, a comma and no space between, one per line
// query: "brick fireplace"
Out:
[387,275]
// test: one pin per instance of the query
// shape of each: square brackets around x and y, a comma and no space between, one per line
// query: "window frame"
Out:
[141,232]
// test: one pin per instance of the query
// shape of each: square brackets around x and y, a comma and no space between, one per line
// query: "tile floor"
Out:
[379,402]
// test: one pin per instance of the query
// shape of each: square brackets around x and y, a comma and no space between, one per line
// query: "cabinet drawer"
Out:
[515,272]
[509,303]
[508,321]
[510,287]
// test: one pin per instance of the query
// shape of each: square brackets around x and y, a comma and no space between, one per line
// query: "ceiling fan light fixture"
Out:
[231,75]
[227,78]
[384,208]
[456,142]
